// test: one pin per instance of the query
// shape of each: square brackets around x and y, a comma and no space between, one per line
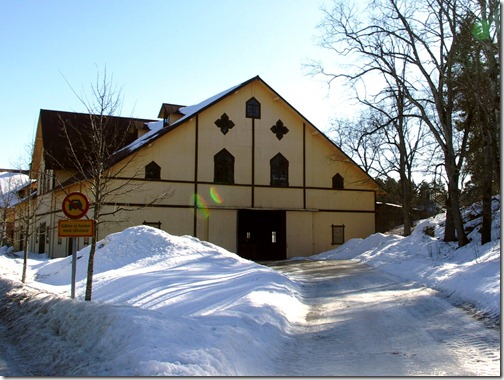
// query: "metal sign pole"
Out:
[75,206]
[74,264]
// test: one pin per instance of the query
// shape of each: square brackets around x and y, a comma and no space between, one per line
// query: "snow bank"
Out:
[469,275]
[163,305]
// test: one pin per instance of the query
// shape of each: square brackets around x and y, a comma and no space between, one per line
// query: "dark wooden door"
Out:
[42,238]
[262,235]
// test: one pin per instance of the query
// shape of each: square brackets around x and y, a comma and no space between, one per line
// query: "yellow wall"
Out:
[340,199]
[222,228]
[308,229]
[299,233]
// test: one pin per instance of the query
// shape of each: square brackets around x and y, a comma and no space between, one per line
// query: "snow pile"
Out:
[173,306]
[164,305]
[470,275]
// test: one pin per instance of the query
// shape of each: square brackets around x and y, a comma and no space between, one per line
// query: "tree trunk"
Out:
[25,254]
[486,212]
[90,270]
[406,209]
[449,234]
[405,176]
[454,207]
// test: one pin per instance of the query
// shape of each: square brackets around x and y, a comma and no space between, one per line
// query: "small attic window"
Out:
[253,109]
[152,171]
[338,182]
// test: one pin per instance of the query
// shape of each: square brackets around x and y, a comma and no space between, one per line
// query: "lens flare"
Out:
[202,207]
[215,195]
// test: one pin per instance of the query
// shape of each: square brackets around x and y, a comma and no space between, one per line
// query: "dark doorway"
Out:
[70,246]
[42,238]
[262,235]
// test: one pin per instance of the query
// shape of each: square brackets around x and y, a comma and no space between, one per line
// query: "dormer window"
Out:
[253,109]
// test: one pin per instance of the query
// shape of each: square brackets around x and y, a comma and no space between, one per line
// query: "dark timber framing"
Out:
[253,165]
[195,204]
[304,165]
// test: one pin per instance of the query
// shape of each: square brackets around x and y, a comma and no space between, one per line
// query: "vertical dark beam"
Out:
[195,204]
[375,212]
[304,165]
[253,164]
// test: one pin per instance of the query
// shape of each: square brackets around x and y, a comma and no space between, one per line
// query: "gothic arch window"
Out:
[152,171]
[337,182]
[279,166]
[253,109]
[224,167]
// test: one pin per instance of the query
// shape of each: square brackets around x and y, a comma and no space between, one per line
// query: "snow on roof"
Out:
[388,204]
[156,128]
[10,184]
[194,109]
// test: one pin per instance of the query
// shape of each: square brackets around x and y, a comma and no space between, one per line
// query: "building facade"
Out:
[242,169]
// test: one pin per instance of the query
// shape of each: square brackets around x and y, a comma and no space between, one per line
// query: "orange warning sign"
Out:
[76,228]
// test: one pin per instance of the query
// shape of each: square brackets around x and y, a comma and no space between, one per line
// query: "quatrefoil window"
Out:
[279,129]
[224,123]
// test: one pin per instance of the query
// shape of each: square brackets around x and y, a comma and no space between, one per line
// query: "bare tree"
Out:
[355,137]
[397,133]
[92,149]
[11,184]
[24,207]
[421,37]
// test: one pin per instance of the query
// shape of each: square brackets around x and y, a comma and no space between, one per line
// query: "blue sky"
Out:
[173,51]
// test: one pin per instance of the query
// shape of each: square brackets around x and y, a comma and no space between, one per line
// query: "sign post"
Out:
[75,206]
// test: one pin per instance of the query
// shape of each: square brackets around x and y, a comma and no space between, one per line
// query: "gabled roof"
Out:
[188,112]
[167,109]
[157,130]
[58,127]
[191,111]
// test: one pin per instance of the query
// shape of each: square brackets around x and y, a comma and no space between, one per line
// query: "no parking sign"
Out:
[75,205]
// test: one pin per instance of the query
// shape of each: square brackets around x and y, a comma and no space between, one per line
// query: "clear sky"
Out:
[172,51]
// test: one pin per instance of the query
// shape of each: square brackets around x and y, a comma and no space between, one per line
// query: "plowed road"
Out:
[364,322]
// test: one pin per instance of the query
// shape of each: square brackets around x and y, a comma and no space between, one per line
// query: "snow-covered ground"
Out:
[168,305]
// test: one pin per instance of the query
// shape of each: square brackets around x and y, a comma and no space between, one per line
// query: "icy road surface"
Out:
[364,322]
